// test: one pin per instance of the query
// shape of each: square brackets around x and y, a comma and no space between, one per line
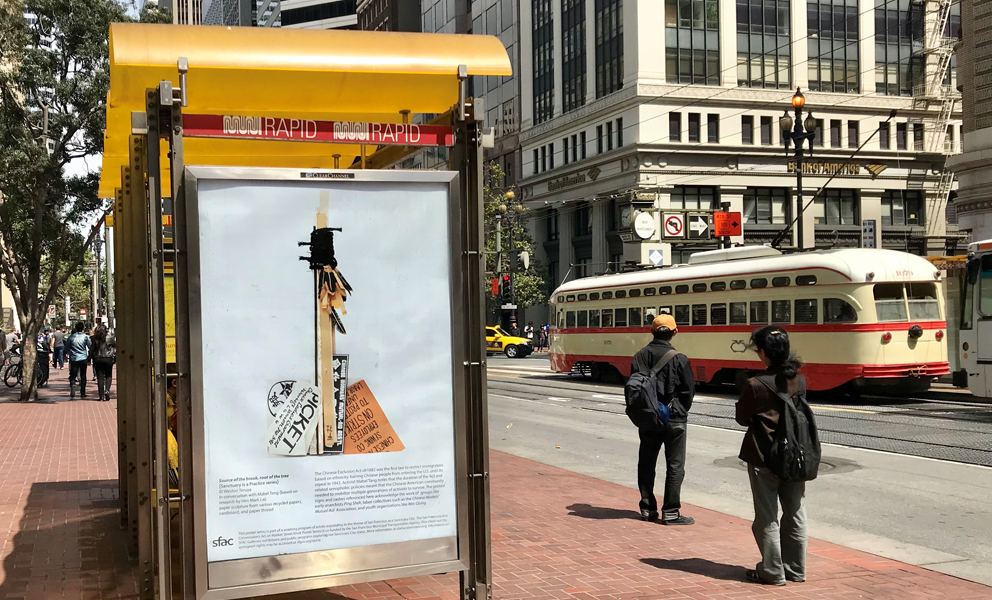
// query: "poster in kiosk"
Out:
[324,377]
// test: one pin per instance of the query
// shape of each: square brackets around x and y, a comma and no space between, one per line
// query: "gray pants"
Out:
[783,548]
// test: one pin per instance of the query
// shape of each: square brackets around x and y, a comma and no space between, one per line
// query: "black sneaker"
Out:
[679,520]
[649,515]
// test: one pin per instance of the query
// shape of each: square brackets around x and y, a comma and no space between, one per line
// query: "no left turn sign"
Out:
[674,225]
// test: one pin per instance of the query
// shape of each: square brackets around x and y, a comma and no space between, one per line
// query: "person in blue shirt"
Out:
[77,349]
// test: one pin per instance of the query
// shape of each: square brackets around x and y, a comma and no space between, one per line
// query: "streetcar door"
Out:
[983,304]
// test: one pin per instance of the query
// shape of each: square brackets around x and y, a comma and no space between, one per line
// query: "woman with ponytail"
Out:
[783,547]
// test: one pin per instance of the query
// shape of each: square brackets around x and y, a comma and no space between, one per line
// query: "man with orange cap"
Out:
[676,388]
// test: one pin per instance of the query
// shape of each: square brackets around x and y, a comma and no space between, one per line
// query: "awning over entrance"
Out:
[254,71]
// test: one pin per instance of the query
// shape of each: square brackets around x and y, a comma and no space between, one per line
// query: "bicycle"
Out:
[13,374]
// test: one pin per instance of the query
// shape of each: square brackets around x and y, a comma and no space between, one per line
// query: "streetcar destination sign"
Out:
[309,130]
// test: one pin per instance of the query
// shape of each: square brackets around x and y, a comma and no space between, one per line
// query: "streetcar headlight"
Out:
[939,335]
[886,337]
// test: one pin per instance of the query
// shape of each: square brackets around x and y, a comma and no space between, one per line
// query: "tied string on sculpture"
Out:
[332,287]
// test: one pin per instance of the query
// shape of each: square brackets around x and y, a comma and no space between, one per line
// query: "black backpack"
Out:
[795,451]
[645,409]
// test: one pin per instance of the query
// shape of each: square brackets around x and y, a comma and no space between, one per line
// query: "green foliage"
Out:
[153,13]
[529,287]
[53,89]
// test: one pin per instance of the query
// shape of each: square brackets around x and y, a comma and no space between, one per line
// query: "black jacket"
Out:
[678,367]
[758,409]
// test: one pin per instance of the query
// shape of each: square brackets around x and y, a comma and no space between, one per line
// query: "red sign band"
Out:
[309,130]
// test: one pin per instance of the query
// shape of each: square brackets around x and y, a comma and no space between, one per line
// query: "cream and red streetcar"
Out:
[869,320]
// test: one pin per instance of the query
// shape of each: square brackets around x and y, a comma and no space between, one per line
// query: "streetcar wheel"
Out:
[511,352]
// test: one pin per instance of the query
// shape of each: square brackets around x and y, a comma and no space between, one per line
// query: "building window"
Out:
[832,38]
[564,150]
[818,133]
[552,226]
[544,61]
[918,142]
[883,136]
[582,144]
[609,46]
[694,127]
[620,132]
[694,197]
[836,207]
[766,206]
[747,130]
[599,139]
[902,207]
[763,44]
[835,134]
[551,155]
[674,127]
[537,162]
[713,129]
[583,220]
[692,41]
[898,28]
[901,136]
[573,59]
[544,158]
[609,135]
[766,131]
[852,134]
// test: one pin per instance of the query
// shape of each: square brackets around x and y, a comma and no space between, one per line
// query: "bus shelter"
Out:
[217,140]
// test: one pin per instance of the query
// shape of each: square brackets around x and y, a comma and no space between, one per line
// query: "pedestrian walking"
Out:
[676,388]
[104,353]
[769,401]
[78,350]
[529,331]
[58,348]
[542,338]
[43,351]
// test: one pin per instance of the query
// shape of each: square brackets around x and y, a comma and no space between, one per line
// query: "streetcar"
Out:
[866,320]
[976,320]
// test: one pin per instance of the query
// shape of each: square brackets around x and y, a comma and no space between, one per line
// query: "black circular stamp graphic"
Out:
[278,395]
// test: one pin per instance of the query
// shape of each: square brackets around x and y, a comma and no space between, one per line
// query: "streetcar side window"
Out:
[923,303]
[621,293]
[682,314]
[836,310]
[985,287]
[761,282]
[583,320]
[681,289]
[582,297]
[561,298]
[738,313]
[805,279]
[607,317]
[561,319]
[806,311]
[634,293]
[718,314]
[594,318]
[664,310]
[718,286]
[570,319]
[620,317]
[665,290]
[635,317]
[699,287]
[699,314]
[607,295]
[781,281]
[650,291]
[890,302]
[759,313]
[570,298]
[781,311]
[649,314]
[738,284]
[594,296]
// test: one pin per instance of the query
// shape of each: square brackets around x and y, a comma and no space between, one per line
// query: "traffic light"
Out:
[519,260]
[506,290]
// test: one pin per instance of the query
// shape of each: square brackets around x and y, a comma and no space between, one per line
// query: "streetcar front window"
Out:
[890,302]
[561,319]
[985,287]
[923,304]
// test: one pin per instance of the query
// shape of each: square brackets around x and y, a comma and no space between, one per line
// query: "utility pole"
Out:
[108,232]
[97,246]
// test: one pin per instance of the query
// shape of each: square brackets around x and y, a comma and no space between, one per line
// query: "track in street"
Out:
[938,429]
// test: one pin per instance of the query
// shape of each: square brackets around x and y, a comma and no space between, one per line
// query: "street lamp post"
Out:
[798,131]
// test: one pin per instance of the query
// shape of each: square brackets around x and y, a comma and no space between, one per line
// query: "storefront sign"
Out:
[308,130]
[566,182]
[825,168]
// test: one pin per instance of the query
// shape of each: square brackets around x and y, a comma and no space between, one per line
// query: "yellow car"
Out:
[511,346]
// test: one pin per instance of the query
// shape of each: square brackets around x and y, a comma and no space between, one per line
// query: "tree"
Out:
[54,77]
[505,214]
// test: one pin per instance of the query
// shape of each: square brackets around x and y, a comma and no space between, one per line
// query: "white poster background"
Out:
[257,310]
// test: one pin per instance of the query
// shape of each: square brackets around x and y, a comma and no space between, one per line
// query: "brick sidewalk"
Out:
[556,534]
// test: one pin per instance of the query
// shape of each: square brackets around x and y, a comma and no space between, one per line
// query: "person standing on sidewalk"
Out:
[676,375]
[104,355]
[77,347]
[43,349]
[58,348]
[783,547]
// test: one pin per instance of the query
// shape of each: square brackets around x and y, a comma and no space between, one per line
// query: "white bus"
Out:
[976,319]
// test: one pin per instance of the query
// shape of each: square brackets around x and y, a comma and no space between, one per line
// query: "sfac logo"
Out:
[219,542]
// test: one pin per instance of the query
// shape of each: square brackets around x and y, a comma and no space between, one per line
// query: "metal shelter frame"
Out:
[163,546]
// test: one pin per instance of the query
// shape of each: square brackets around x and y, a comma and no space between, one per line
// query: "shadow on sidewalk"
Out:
[587,511]
[698,566]
[69,538]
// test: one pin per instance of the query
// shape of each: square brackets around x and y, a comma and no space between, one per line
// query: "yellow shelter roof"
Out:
[275,72]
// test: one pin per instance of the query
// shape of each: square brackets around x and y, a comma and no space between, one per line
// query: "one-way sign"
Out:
[699,227]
